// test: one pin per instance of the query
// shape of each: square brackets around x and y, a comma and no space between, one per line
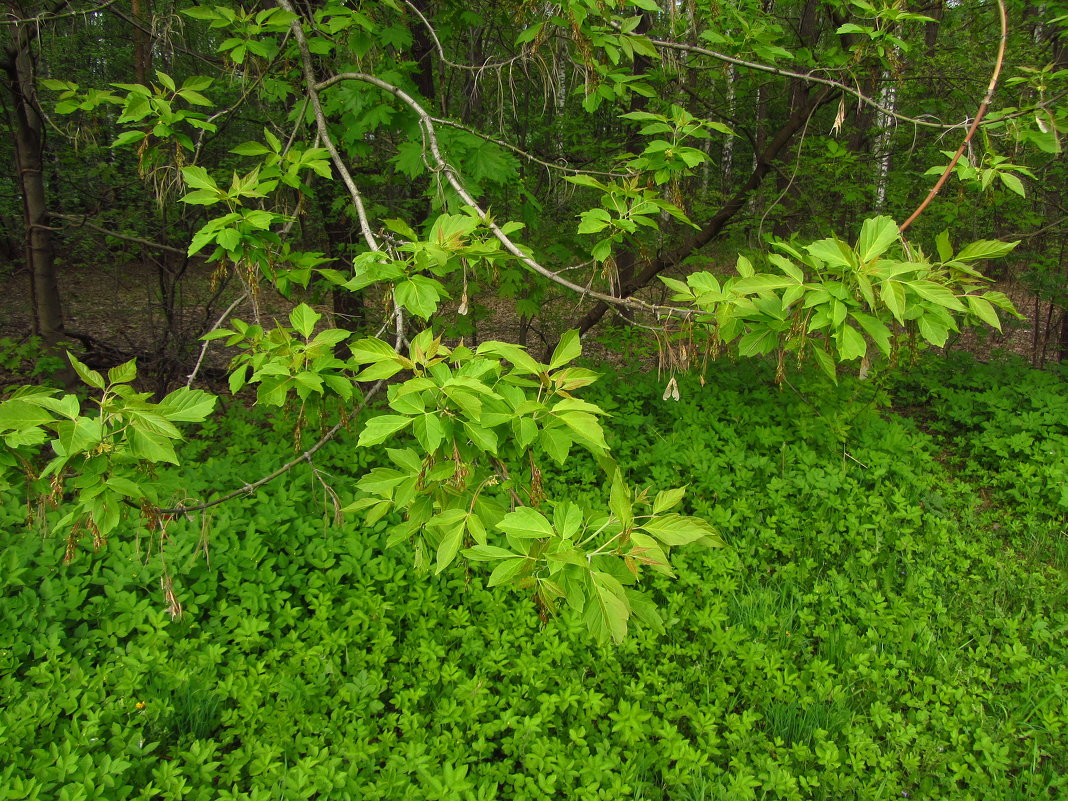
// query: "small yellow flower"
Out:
[140,705]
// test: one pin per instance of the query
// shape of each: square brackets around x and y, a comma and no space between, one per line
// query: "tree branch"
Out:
[248,489]
[975,123]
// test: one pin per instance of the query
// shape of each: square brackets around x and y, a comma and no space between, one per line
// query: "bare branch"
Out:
[320,121]
[523,153]
[807,77]
[207,342]
[975,123]
[248,489]
[81,221]
[446,169]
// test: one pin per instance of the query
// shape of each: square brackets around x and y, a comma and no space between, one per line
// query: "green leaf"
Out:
[568,349]
[303,318]
[124,373]
[933,330]
[198,178]
[151,446]
[825,362]
[607,611]
[185,405]
[450,543]
[594,221]
[985,249]
[893,295]
[585,428]
[519,358]
[851,344]
[1013,183]
[936,293]
[506,571]
[619,501]
[526,523]
[485,439]
[943,245]
[645,610]
[668,499]
[673,529]
[428,431]
[876,329]
[419,295]
[982,309]
[381,428]
[487,553]
[90,377]
[128,138]
[529,34]
[371,350]
[18,415]
[876,235]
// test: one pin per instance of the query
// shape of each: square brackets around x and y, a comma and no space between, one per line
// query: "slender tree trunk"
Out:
[142,55]
[884,141]
[26,125]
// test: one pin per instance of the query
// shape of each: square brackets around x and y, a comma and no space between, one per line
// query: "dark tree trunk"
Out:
[423,53]
[719,221]
[142,54]
[28,135]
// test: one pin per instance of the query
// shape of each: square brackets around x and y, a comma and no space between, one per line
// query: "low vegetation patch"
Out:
[888,620]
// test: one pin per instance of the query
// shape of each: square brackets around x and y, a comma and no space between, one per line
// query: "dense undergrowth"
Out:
[889,621]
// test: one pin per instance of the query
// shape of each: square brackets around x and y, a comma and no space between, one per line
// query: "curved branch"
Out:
[441,50]
[521,152]
[975,123]
[248,489]
[443,166]
[320,121]
[46,16]
[204,348]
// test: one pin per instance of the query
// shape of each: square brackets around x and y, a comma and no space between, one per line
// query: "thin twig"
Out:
[975,123]
[443,167]
[207,342]
[523,153]
[248,489]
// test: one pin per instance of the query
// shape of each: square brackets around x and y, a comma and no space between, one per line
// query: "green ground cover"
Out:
[888,621]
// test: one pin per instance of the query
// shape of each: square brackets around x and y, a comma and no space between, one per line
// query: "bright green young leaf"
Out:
[371,350]
[985,249]
[982,309]
[87,375]
[124,373]
[451,540]
[673,529]
[17,414]
[303,318]
[506,571]
[851,344]
[526,523]
[607,611]
[185,405]
[381,428]
[568,349]
[668,499]
[876,235]
[150,446]
[488,553]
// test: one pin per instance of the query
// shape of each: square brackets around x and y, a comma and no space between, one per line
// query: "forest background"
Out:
[275,200]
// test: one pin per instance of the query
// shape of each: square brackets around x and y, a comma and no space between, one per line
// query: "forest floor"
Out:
[116,313]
